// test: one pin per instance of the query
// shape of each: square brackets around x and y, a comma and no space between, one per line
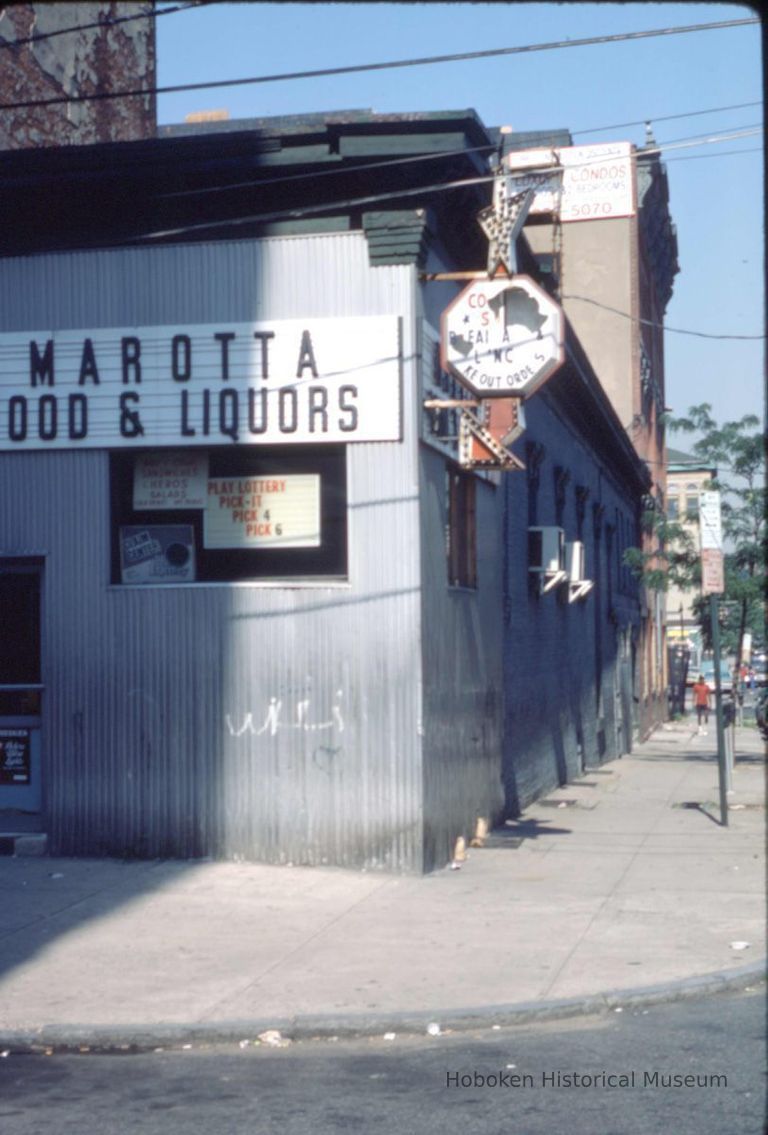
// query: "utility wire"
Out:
[706,141]
[321,207]
[733,132]
[386,163]
[330,206]
[721,154]
[653,323]
[148,15]
[357,69]
[376,198]
[654,118]
[331,172]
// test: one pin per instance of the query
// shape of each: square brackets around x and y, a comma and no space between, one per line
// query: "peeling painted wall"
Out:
[76,63]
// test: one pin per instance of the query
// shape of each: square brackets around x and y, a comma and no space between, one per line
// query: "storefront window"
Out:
[228,514]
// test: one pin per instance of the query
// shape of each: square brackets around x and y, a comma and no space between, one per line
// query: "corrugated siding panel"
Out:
[562,660]
[462,638]
[272,723]
[463,689]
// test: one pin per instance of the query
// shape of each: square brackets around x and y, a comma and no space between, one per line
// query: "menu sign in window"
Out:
[170,480]
[14,756]
[263,512]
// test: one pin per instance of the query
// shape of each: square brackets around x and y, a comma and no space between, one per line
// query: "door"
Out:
[21,689]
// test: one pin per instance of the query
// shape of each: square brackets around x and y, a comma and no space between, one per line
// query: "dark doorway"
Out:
[20,686]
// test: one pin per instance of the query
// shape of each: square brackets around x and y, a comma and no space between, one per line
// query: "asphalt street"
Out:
[691,1068]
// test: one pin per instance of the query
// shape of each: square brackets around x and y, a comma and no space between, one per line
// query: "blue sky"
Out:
[716,194]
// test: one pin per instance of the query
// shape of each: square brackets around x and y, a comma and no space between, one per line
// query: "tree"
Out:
[737,450]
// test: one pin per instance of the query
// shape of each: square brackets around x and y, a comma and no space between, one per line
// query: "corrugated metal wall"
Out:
[563,666]
[463,683]
[462,637]
[461,643]
[279,723]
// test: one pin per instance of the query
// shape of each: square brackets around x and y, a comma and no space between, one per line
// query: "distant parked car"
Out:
[761,713]
[726,677]
[760,667]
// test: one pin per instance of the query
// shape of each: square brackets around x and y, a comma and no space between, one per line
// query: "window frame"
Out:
[461,528]
[327,563]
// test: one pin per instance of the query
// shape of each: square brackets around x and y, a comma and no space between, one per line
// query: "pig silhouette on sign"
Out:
[460,344]
[519,308]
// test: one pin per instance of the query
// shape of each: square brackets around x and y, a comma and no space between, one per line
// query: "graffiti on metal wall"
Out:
[277,717]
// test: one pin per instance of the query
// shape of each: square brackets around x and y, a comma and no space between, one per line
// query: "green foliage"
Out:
[737,450]
[675,560]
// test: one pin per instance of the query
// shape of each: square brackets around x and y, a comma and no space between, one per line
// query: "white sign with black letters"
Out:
[289,381]
[710,522]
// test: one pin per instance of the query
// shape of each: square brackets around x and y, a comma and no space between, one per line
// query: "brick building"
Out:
[51,51]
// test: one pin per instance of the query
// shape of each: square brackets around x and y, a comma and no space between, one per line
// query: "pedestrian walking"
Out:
[740,689]
[701,701]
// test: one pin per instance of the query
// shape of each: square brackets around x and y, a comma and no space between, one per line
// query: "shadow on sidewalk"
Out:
[44,899]
[513,832]
[696,806]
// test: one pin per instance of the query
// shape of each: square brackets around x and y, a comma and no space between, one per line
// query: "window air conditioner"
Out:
[578,586]
[546,556]
[574,561]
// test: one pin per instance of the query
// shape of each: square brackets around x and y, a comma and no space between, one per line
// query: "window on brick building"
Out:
[673,508]
[692,501]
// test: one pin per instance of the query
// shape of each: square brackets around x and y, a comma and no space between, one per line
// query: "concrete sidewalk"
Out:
[621,887]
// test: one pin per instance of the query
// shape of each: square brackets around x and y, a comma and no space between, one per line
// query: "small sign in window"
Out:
[15,751]
[170,480]
[264,511]
[157,553]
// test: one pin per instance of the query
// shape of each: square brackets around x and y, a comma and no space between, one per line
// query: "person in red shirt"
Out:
[701,701]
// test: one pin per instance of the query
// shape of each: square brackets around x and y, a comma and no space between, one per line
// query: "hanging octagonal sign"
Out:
[502,337]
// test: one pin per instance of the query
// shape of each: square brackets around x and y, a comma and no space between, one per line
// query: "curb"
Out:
[49,1039]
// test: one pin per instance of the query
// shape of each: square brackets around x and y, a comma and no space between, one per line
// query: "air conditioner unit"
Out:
[546,556]
[578,586]
[574,561]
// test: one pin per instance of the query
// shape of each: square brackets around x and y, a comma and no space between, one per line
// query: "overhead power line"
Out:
[720,154]
[733,132]
[371,199]
[550,170]
[491,147]
[345,170]
[653,323]
[363,67]
[655,118]
[150,14]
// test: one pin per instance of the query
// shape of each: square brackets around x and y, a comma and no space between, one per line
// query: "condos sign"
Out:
[578,183]
[289,381]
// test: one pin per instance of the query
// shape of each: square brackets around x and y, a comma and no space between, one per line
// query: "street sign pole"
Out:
[713,584]
[721,760]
